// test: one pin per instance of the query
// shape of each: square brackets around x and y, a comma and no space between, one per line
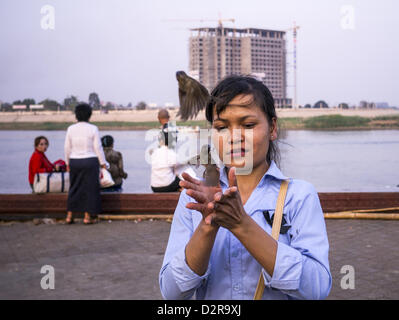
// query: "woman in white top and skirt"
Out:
[84,156]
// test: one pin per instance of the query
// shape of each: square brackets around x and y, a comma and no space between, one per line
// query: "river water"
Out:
[333,161]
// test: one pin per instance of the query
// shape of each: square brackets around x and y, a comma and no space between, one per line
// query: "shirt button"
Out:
[235,254]
[236,287]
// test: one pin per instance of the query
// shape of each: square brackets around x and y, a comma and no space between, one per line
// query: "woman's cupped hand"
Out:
[199,192]
[218,208]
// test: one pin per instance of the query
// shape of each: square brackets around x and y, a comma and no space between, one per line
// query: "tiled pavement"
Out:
[370,246]
[121,259]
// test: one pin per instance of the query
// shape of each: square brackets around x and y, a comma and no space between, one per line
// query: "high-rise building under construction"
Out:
[219,52]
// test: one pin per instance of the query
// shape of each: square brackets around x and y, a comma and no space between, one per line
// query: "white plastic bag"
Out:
[187,169]
[106,178]
[50,182]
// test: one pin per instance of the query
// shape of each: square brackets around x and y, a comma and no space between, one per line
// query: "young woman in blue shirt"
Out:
[220,238]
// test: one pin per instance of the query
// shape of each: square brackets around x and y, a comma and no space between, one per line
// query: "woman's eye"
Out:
[249,125]
[220,128]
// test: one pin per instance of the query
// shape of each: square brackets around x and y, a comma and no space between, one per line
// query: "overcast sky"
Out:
[129,50]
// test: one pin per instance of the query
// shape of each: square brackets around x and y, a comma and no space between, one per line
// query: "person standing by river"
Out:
[84,156]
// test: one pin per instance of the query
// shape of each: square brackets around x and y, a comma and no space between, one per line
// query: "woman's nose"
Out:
[236,136]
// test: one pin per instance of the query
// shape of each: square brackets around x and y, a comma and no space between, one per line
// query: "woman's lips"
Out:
[235,153]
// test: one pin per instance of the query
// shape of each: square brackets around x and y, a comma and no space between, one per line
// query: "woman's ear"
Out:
[273,129]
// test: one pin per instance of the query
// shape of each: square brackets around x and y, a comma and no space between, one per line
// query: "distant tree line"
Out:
[70,103]
[318,105]
[343,105]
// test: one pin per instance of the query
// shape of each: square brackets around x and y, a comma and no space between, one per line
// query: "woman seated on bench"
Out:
[38,162]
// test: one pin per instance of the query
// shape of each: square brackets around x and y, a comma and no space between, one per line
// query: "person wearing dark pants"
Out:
[173,187]
[84,192]
[84,156]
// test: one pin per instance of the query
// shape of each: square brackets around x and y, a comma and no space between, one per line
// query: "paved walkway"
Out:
[121,259]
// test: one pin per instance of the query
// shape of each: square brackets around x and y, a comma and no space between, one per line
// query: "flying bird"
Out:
[193,96]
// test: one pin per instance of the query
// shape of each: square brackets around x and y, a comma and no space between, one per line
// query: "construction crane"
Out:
[294,37]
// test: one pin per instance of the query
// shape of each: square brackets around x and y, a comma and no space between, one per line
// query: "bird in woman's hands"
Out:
[226,208]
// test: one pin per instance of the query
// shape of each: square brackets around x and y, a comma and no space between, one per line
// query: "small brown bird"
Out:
[211,173]
[193,96]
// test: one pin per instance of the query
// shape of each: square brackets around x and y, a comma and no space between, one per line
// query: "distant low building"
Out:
[36,107]
[170,105]
[19,107]
[152,105]
[382,105]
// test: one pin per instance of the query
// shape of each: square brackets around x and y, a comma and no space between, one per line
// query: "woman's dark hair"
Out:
[107,141]
[234,85]
[83,112]
[38,139]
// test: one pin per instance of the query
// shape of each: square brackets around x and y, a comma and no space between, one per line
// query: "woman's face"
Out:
[242,134]
[42,146]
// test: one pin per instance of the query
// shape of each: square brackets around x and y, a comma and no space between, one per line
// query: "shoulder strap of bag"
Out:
[62,181]
[278,216]
[48,181]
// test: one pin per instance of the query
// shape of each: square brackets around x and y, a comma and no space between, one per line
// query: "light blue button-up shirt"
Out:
[301,269]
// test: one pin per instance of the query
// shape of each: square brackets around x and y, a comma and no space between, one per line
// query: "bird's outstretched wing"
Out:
[193,96]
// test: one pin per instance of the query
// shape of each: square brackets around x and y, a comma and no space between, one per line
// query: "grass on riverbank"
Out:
[336,121]
[328,122]
[339,122]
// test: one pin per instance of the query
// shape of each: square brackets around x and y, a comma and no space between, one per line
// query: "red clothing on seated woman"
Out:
[39,163]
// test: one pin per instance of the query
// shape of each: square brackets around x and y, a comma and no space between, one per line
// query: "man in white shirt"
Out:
[166,170]
[163,167]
